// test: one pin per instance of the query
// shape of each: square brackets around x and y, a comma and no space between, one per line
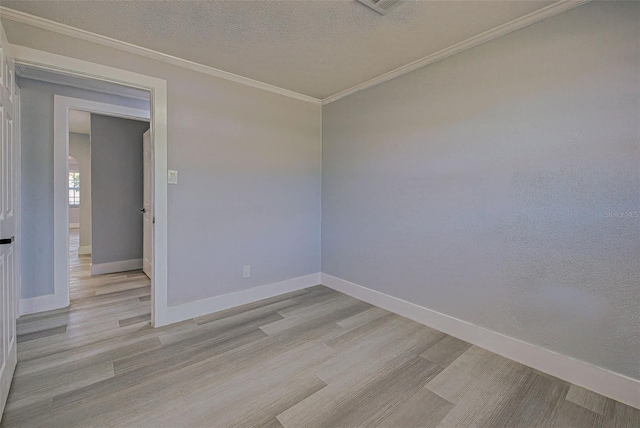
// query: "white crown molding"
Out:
[501,30]
[605,382]
[56,27]
[125,92]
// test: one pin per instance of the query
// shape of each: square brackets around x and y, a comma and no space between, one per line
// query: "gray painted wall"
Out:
[80,149]
[249,165]
[37,178]
[116,191]
[74,216]
[479,186]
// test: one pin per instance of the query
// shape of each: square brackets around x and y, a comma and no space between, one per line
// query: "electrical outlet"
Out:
[246,271]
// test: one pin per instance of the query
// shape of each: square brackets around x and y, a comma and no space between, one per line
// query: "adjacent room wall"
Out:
[117,185]
[501,186]
[80,149]
[37,177]
[249,165]
[74,217]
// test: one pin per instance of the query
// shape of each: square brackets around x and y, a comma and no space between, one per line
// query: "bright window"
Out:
[74,188]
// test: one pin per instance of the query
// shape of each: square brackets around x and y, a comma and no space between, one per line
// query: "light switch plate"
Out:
[173,176]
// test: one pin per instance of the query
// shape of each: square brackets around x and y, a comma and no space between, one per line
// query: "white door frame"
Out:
[158,117]
[147,220]
[61,107]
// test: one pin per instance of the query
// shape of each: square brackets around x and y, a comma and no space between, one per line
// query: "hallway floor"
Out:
[311,358]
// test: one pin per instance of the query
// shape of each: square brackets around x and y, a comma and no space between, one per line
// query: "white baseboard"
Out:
[41,304]
[602,381]
[198,308]
[74,225]
[84,249]
[112,267]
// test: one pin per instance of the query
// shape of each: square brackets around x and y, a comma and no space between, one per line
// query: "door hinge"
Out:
[154,219]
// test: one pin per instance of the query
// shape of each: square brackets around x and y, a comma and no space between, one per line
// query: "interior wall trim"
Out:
[597,379]
[67,30]
[198,308]
[48,302]
[501,30]
[113,267]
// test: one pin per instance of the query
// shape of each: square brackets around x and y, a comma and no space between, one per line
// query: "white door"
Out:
[8,195]
[147,246]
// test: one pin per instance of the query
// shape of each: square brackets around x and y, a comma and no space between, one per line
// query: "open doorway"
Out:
[109,197]
[77,263]
[109,194]
[68,182]
[117,187]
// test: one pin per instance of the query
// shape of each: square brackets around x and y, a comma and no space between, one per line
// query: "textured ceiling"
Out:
[316,48]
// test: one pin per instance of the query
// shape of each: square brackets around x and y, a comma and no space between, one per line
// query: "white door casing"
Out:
[147,246]
[158,89]
[8,221]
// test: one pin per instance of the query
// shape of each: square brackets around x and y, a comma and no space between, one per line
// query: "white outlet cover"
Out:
[173,176]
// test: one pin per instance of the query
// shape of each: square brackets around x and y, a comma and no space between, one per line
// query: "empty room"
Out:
[340,213]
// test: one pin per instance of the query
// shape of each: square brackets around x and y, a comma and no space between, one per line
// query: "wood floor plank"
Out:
[254,318]
[423,410]
[37,414]
[535,403]
[118,383]
[207,343]
[483,396]
[356,402]
[461,376]
[363,318]
[100,351]
[142,401]
[257,407]
[144,318]
[587,399]
[296,316]
[572,415]
[44,384]
[620,415]
[316,303]
[446,351]
[43,323]
[42,333]
[250,306]
[282,363]
[368,348]
[254,395]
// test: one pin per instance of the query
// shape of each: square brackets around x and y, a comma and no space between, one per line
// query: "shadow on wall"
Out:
[117,189]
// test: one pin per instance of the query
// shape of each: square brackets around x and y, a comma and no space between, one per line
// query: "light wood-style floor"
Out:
[313,358]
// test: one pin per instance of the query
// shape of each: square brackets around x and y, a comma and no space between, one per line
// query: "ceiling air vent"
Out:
[381,6]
